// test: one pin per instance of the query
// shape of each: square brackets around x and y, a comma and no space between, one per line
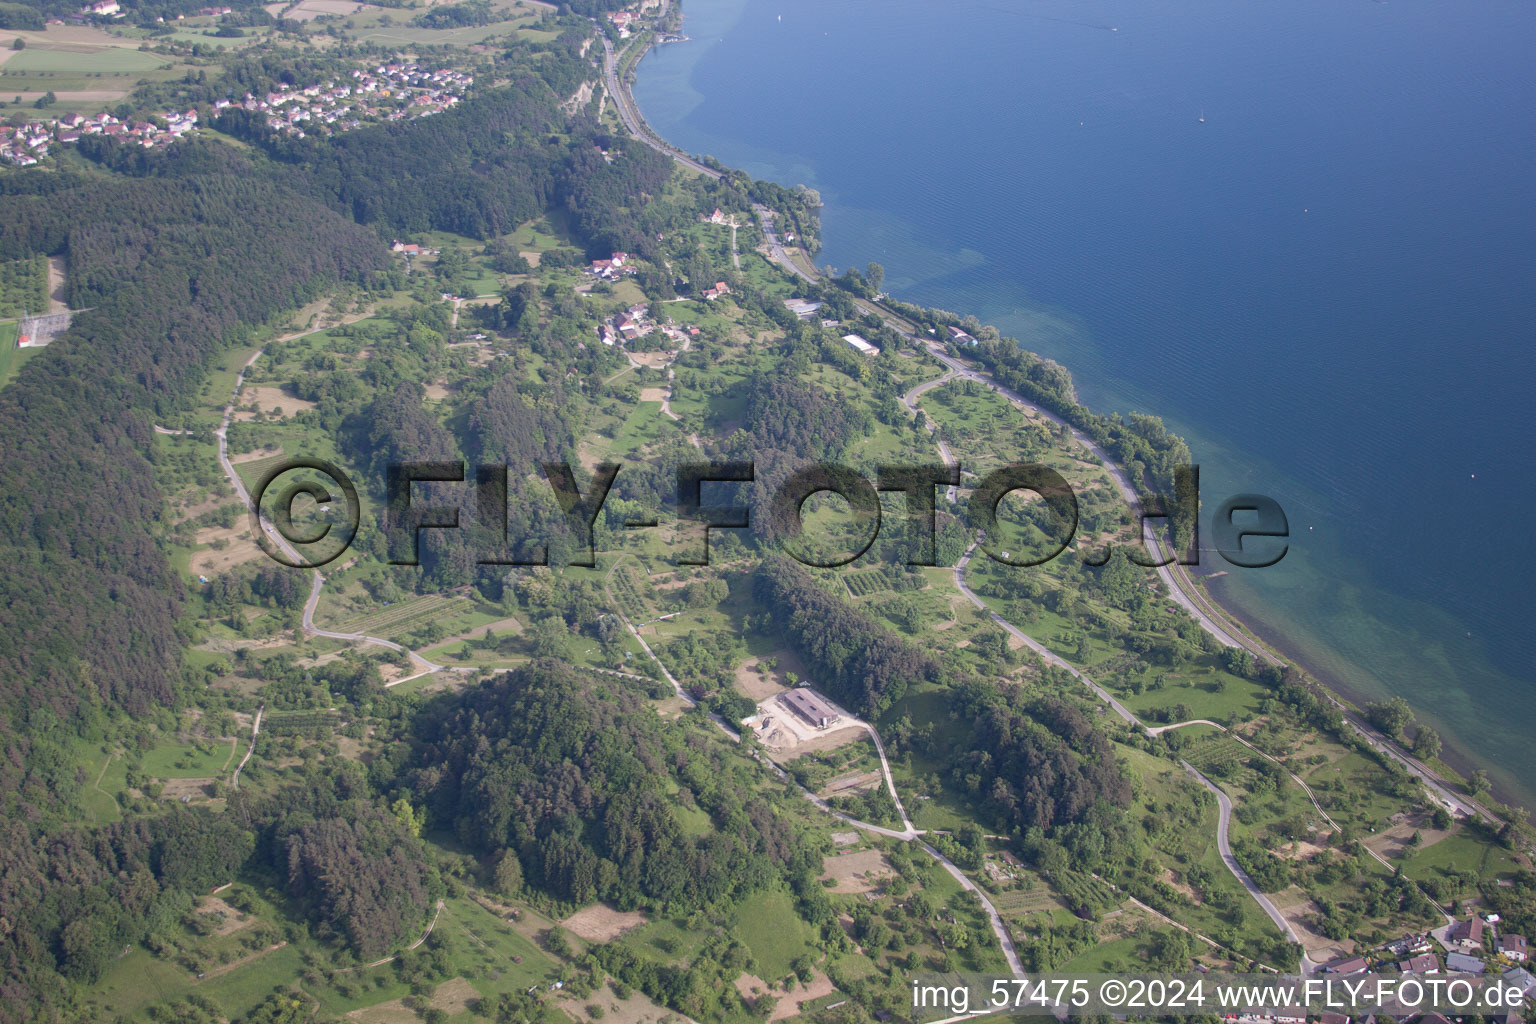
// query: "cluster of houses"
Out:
[1415,954]
[412,249]
[1466,946]
[625,20]
[635,322]
[613,268]
[26,145]
[390,92]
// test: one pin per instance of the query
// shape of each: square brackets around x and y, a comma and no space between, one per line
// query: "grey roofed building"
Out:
[810,707]
[1520,978]
[1464,964]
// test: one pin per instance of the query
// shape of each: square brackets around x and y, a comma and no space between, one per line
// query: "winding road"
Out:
[270,534]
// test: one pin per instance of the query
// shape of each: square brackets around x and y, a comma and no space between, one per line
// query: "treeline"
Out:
[858,661]
[563,780]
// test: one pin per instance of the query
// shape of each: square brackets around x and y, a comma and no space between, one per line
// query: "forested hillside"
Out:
[575,782]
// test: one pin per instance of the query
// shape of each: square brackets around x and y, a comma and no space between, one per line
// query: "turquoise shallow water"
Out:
[1327,285]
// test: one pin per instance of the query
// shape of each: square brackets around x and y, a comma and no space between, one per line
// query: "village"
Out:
[389,92]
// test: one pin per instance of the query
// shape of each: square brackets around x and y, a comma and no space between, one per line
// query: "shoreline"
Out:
[1193,592]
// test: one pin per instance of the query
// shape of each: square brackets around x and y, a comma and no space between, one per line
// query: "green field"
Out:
[11,357]
[111,60]
[1460,852]
[103,75]
[23,287]
[768,925]
[185,761]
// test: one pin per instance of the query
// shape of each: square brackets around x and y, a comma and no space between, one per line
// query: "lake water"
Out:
[1328,285]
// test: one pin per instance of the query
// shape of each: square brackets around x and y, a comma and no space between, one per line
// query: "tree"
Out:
[19,44]
[1426,744]
[1390,716]
[1480,784]
[875,275]
[509,874]
[408,816]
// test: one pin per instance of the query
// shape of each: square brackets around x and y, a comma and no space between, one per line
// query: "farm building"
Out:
[810,707]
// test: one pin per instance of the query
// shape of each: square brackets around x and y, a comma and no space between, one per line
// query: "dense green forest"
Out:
[573,781]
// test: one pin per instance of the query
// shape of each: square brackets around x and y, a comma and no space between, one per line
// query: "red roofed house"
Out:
[1467,934]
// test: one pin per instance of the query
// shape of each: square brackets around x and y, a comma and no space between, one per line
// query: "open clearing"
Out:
[755,679]
[268,399]
[861,871]
[600,923]
[452,997]
[233,919]
[238,548]
[1301,914]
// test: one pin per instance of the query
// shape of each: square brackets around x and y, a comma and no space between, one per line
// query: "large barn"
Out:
[810,707]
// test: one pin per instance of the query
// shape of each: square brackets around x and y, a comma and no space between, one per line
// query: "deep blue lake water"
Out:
[1328,285]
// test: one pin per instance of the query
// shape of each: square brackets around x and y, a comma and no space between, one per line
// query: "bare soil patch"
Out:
[601,923]
[1300,850]
[56,302]
[756,680]
[852,782]
[1301,915]
[861,871]
[789,1004]
[436,392]
[269,399]
[785,745]
[654,360]
[238,547]
[653,394]
[311,9]
[257,455]
[233,920]
[1392,843]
